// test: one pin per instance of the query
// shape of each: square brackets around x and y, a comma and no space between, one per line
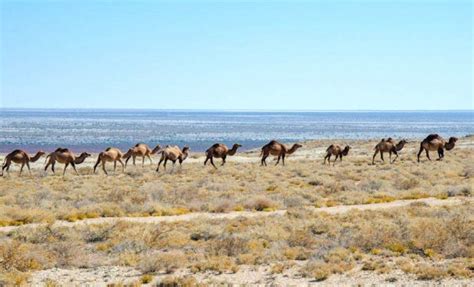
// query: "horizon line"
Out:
[233,110]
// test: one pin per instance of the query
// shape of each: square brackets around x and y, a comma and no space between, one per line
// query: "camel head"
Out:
[453,139]
[185,152]
[128,154]
[156,149]
[40,153]
[450,144]
[345,151]
[236,146]
[294,148]
[85,155]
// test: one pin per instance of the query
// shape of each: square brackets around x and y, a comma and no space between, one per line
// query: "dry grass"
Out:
[427,242]
[240,185]
[433,243]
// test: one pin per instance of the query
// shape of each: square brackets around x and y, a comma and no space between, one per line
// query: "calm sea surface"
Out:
[94,130]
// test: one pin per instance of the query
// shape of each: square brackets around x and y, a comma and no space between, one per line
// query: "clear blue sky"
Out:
[228,55]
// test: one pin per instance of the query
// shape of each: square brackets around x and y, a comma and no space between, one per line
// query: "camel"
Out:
[21,157]
[140,149]
[388,145]
[220,151]
[277,149]
[434,142]
[173,153]
[336,150]
[65,156]
[111,154]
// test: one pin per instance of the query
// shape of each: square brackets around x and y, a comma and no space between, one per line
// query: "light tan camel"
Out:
[140,149]
[277,149]
[219,150]
[434,142]
[388,145]
[20,157]
[111,154]
[173,153]
[65,156]
[336,150]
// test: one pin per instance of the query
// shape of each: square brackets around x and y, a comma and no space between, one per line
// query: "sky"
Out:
[237,55]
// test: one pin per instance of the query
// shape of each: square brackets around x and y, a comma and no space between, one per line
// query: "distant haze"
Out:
[253,55]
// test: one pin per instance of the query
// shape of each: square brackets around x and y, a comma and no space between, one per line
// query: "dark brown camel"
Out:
[389,146]
[434,142]
[277,149]
[220,151]
[336,150]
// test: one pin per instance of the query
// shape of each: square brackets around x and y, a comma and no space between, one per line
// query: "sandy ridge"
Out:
[248,214]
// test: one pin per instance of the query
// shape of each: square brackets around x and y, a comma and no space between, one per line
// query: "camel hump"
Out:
[17,151]
[432,137]
[330,147]
[216,145]
[60,149]
[108,149]
[390,140]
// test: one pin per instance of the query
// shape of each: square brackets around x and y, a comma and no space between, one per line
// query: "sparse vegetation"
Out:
[426,242]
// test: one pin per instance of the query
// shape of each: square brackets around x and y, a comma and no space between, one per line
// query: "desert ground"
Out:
[304,223]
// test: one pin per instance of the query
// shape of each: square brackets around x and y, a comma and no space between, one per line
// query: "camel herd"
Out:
[433,142]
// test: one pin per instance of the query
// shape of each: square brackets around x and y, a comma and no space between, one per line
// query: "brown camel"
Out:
[65,156]
[434,142]
[336,150]
[111,154]
[277,149]
[173,153]
[140,149]
[21,157]
[388,145]
[220,151]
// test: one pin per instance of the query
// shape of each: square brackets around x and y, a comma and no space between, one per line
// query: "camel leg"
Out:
[164,164]
[212,162]
[278,160]
[143,161]
[74,167]
[381,156]
[133,158]
[390,157]
[52,167]
[28,166]
[419,153]
[123,166]
[126,161]
[440,153]
[396,156]
[223,160]
[65,166]
[375,154]
[428,154]
[207,158]
[264,157]
[149,157]
[334,163]
[21,168]
[283,159]
[115,165]
[96,164]
[5,166]
[327,157]
[103,168]
[159,163]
